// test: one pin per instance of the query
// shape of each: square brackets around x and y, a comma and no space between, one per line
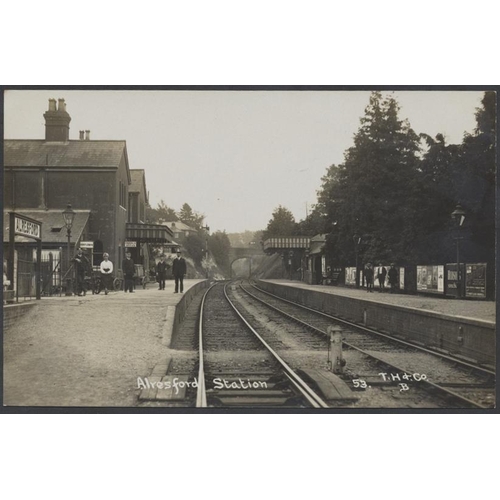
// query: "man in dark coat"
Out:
[369,277]
[393,278]
[128,272]
[82,265]
[381,274]
[179,270]
[161,272]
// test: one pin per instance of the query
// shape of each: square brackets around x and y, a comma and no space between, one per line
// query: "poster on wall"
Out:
[475,280]
[350,275]
[401,278]
[421,278]
[430,279]
[451,279]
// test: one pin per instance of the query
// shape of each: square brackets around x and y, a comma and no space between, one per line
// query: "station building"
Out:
[41,177]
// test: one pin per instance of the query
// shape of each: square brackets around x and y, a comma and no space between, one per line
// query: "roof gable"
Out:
[39,153]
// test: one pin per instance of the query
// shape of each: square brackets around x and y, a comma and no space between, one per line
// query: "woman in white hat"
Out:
[106,272]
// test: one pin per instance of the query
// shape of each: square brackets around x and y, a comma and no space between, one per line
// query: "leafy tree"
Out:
[282,224]
[190,217]
[161,212]
[195,246]
[219,246]
[374,193]
[476,191]
[314,223]
[257,238]
[241,239]
[464,174]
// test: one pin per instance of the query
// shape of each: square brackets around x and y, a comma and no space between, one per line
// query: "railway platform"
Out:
[473,309]
[462,328]
[89,351]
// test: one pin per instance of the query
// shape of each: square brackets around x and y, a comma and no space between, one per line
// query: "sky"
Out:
[234,155]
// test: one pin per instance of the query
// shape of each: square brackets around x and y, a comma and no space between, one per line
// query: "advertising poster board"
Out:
[350,275]
[401,278]
[475,280]
[451,279]
[430,279]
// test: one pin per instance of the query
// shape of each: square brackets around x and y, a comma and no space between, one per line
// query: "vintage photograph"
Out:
[264,249]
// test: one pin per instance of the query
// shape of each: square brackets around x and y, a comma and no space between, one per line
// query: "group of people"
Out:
[82,267]
[380,273]
[179,269]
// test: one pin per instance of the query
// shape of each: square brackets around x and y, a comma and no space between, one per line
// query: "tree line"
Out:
[217,244]
[395,191]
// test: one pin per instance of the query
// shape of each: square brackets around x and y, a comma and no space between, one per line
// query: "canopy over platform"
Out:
[287,243]
[148,233]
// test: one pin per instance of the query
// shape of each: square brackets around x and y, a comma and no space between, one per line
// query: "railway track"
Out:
[462,384]
[238,367]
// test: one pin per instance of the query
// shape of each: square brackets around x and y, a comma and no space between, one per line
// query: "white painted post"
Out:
[337,363]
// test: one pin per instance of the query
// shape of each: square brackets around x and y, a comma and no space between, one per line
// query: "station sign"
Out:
[130,244]
[27,227]
[87,244]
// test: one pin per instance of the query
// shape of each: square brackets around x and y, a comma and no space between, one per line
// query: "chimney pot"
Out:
[87,135]
[81,135]
[57,122]
[62,105]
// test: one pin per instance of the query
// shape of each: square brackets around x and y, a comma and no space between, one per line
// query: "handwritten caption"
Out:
[403,380]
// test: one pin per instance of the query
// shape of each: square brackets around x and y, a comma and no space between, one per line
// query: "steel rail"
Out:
[201,393]
[380,334]
[305,390]
[352,346]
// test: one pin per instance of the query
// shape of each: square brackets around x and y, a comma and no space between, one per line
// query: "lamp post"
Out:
[357,240]
[207,229]
[458,215]
[69,217]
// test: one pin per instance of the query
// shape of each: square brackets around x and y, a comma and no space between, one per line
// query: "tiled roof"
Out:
[50,219]
[138,178]
[178,226]
[319,237]
[39,153]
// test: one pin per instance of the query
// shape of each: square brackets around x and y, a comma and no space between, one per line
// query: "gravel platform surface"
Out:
[86,351]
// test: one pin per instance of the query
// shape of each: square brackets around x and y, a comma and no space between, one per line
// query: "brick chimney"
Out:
[57,122]
[87,135]
[81,134]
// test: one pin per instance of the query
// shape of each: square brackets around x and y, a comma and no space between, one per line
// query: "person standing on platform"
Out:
[179,270]
[128,272]
[369,277]
[106,271]
[393,278]
[81,266]
[161,273]
[381,274]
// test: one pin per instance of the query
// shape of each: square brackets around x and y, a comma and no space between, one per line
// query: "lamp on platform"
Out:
[68,216]
[357,241]
[458,215]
